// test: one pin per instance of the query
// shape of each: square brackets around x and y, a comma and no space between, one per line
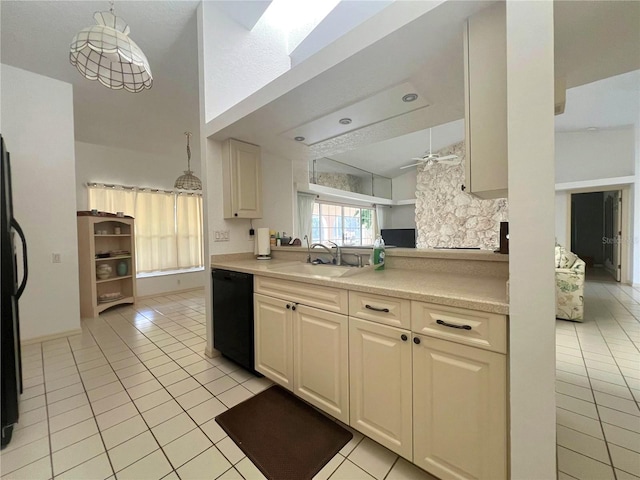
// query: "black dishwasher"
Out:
[233,316]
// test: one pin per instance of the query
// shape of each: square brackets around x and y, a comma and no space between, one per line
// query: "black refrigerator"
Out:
[12,288]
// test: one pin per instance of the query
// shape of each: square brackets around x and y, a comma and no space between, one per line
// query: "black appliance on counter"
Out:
[11,366]
[399,237]
[233,316]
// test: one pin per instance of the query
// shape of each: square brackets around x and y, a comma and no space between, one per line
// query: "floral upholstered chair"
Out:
[569,285]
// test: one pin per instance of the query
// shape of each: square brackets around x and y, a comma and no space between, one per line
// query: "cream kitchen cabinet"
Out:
[301,341]
[381,384]
[241,180]
[273,339]
[485,88]
[459,410]
[321,359]
[459,391]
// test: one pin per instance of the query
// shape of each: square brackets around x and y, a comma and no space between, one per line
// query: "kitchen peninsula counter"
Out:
[471,291]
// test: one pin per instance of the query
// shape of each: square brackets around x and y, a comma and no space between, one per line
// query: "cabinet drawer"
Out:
[380,308]
[325,298]
[479,329]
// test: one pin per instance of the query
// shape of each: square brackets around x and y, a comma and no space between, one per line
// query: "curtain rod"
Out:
[142,189]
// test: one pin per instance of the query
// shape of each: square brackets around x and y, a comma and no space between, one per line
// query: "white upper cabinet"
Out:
[485,89]
[242,180]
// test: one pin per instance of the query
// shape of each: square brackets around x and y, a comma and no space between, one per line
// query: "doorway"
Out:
[596,233]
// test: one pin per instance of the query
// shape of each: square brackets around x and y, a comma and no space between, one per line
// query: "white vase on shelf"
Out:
[103,271]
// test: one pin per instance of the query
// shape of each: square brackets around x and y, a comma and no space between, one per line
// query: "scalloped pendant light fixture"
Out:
[104,52]
[188,181]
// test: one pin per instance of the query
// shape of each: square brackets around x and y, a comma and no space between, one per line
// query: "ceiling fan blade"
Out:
[449,162]
[447,157]
[412,165]
[420,159]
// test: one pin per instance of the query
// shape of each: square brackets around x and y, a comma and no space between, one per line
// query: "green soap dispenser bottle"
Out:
[378,253]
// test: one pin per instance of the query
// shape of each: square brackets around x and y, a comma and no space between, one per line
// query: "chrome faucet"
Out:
[308,249]
[337,257]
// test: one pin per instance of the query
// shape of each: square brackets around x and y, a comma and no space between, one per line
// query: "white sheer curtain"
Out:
[189,228]
[112,199]
[168,225]
[305,214]
[382,218]
[156,245]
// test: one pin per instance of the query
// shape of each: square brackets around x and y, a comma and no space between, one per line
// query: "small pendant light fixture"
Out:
[104,52]
[188,181]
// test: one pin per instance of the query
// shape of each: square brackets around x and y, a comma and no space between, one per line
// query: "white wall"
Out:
[170,283]
[593,158]
[102,164]
[37,118]
[278,194]
[238,62]
[403,216]
[277,202]
[403,187]
[530,140]
[594,155]
[561,218]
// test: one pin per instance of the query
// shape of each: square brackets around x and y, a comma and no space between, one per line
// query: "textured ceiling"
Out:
[36,37]
[594,40]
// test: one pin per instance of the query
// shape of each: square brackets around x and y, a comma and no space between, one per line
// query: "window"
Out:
[168,225]
[342,224]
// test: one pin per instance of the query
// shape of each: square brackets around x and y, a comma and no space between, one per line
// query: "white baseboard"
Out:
[211,352]
[55,336]
[172,292]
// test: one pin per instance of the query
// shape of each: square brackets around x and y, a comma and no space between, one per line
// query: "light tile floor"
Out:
[598,386]
[134,397]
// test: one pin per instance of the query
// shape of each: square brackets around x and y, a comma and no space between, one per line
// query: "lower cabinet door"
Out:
[459,410]
[321,360]
[273,339]
[380,384]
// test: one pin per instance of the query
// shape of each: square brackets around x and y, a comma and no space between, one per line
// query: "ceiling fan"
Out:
[433,158]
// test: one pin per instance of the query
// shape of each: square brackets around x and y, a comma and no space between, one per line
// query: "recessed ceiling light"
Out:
[410,97]
[345,121]
[592,129]
[298,139]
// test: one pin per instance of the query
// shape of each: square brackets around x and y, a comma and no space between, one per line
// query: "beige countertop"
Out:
[488,294]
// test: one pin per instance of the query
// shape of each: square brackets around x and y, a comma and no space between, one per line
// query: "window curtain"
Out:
[112,199]
[156,245]
[382,219]
[189,228]
[305,214]
[168,225]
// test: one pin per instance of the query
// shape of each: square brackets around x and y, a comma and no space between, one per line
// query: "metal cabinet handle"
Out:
[451,325]
[403,337]
[376,309]
[293,307]
[288,306]
[416,340]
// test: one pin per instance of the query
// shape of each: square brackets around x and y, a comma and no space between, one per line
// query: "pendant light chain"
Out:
[188,134]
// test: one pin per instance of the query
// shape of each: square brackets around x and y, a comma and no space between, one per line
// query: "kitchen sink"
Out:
[323,271]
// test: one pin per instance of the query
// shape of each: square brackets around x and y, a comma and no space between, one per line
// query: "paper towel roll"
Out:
[263,243]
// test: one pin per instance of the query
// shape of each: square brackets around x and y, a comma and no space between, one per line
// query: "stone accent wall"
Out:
[448,217]
[340,181]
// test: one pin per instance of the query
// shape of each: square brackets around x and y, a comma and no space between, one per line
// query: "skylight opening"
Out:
[296,19]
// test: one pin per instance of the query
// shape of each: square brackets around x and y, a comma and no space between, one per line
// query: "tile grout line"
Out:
[170,394]
[606,443]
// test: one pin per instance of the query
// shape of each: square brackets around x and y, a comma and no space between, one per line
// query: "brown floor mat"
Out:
[283,436]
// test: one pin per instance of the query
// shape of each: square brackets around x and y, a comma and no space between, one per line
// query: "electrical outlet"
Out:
[221,236]
[55,258]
